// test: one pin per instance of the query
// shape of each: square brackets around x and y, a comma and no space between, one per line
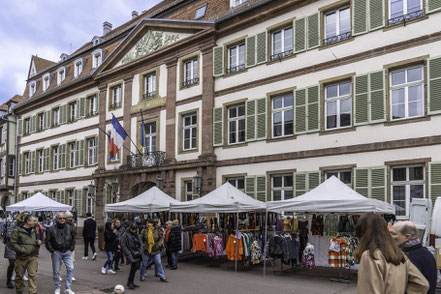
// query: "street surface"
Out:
[196,274]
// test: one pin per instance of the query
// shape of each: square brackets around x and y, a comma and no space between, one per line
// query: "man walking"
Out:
[153,242]
[60,241]
[89,235]
[25,242]
[405,235]
[131,245]
[118,252]
[69,220]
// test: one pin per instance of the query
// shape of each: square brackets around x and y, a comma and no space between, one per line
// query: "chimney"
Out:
[107,27]
[134,14]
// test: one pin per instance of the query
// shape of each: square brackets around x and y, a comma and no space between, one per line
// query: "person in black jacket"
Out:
[405,235]
[60,241]
[109,247]
[174,243]
[131,246]
[89,235]
[118,254]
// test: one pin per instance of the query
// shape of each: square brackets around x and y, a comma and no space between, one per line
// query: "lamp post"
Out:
[197,179]
[91,195]
[160,183]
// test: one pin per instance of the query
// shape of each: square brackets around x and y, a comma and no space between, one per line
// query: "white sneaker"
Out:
[103,270]
[69,291]
[60,279]
[25,278]
[73,279]
[13,277]
[94,256]
[85,257]
[111,272]
[57,291]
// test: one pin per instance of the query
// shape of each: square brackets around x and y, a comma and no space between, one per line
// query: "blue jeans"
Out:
[148,260]
[66,257]
[109,260]
[174,258]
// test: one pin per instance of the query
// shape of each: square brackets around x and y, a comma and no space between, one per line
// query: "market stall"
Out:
[38,202]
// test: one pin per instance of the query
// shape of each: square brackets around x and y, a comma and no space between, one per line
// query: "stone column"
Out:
[127,108]
[102,104]
[170,105]
[99,208]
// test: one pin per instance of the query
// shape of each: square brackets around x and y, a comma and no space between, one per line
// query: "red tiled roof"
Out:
[41,64]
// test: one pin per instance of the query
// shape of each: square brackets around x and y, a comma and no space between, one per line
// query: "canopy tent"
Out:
[332,196]
[225,199]
[38,202]
[152,200]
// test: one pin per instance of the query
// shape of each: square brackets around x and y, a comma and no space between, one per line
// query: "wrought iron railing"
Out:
[335,39]
[115,105]
[234,69]
[190,82]
[148,159]
[149,94]
[404,18]
[91,113]
[281,55]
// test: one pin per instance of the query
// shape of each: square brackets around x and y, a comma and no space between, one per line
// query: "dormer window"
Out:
[200,12]
[96,40]
[235,3]
[97,58]
[61,75]
[46,82]
[78,67]
[64,57]
[32,88]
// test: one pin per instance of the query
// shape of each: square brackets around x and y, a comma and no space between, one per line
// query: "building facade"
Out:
[272,96]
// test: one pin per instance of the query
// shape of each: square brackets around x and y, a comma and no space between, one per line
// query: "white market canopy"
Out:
[331,196]
[152,200]
[225,199]
[38,202]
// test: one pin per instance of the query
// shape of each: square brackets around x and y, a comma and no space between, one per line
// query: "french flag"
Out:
[117,137]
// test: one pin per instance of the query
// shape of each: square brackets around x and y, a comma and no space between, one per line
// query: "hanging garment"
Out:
[230,250]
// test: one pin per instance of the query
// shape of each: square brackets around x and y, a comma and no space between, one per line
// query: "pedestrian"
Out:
[89,235]
[9,251]
[153,242]
[405,235]
[168,225]
[25,242]
[60,241]
[384,268]
[174,243]
[131,246]
[118,252]
[109,247]
[70,221]
[125,224]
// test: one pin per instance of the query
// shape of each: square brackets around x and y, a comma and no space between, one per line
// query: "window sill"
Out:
[337,131]
[230,146]
[184,87]
[407,121]
[90,165]
[403,24]
[91,114]
[189,151]
[115,108]
[284,138]
[281,59]
[323,47]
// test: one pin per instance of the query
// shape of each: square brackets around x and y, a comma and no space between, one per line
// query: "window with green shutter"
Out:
[377,97]
[46,161]
[434,87]
[236,123]
[313,29]
[433,6]
[218,61]
[300,35]
[250,120]
[361,181]
[300,111]
[250,186]
[371,182]
[376,14]
[261,47]
[261,117]
[281,187]
[282,115]
[82,107]
[307,110]
[261,188]
[20,128]
[250,44]
[361,100]
[306,181]
[32,163]
[402,11]
[218,126]
[359,17]
[62,157]
[337,25]
[434,181]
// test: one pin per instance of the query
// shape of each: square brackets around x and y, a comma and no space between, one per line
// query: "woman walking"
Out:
[131,245]
[109,247]
[384,269]
[174,243]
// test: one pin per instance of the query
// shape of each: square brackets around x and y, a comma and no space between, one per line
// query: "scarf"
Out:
[150,240]
[410,243]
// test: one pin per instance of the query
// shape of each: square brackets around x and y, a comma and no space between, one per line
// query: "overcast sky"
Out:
[48,28]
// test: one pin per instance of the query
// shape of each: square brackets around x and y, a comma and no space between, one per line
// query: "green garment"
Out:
[23,243]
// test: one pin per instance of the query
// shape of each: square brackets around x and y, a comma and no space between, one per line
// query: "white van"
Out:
[435,228]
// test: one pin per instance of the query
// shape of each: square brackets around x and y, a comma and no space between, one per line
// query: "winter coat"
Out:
[110,241]
[89,229]
[9,251]
[60,238]
[425,262]
[131,245]
[24,243]
[174,239]
[377,276]
[157,237]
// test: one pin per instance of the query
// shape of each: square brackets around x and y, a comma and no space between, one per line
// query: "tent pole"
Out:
[237,240]
[265,246]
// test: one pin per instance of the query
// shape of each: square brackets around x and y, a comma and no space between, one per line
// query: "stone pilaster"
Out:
[171,110]
[127,108]
[102,125]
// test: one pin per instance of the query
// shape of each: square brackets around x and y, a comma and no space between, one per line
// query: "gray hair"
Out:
[411,229]
[68,214]
[59,213]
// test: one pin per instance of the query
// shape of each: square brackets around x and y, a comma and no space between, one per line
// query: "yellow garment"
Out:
[150,239]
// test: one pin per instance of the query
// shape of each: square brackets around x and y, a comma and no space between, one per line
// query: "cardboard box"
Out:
[438,257]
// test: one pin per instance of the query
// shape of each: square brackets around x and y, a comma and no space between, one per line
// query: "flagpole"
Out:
[109,138]
[129,137]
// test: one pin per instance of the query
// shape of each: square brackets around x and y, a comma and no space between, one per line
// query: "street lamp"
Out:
[91,191]
[160,183]
[197,182]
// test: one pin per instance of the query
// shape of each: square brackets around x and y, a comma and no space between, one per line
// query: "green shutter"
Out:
[250,186]
[377,97]
[250,44]
[313,180]
[378,178]
[45,118]
[361,103]
[313,30]
[434,181]
[376,14]
[218,126]
[46,153]
[20,128]
[299,35]
[62,157]
[19,163]
[359,17]
[361,181]
[63,114]
[434,88]
[33,127]
[81,157]
[77,153]
[261,47]
[49,119]
[313,109]
[78,201]
[32,163]
[82,107]
[58,196]
[300,183]
[300,111]
[432,6]
[218,61]
[96,149]
[261,188]
[62,197]
[250,120]
[261,119]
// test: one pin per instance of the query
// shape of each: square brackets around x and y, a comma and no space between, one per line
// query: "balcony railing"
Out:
[281,55]
[404,18]
[335,39]
[234,69]
[91,113]
[190,82]
[149,94]
[149,159]
[115,105]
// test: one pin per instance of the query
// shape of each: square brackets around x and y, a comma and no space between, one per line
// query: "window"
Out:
[150,137]
[53,195]
[70,197]
[78,67]
[32,88]
[116,97]
[239,183]
[25,195]
[235,3]
[281,45]
[404,10]
[1,169]
[56,159]
[191,76]
[407,183]
[2,138]
[407,92]
[27,126]
[72,154]
[91,151]
[345,176]
[188,186]
[73,108]
[281,187]
[97,58]
[282,115]
[236,124]
[200,12]
[40,161]
[91,105]
[11,169]
[236,58]
[56,118]
[189,130]
[27,157]
[337,25]
[40,121]
[338,108]
[46,82]
[89,204]
[61,75]
[150,85]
